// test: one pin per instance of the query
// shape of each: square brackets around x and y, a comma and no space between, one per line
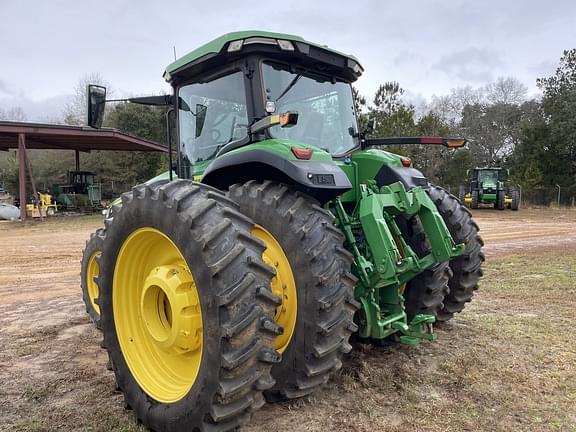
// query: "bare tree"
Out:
[13,114]
[509,91]
[450,107]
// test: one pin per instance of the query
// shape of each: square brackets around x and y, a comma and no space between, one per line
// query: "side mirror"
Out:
[371,125]
[96,102]
[200,118]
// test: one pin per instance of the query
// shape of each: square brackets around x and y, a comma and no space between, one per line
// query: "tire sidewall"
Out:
[93,245]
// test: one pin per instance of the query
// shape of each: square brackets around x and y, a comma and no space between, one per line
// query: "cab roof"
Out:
[221,48]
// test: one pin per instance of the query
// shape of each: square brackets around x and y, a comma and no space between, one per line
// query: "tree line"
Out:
[534,138]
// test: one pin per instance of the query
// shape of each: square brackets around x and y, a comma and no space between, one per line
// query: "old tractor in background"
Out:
[283,230]
[487,186]
[81,192]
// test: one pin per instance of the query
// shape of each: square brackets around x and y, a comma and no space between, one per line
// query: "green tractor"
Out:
[82,192]
[486,186]
[282,232]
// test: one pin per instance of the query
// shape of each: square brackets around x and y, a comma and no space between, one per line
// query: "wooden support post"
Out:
[22,174]
[77,160]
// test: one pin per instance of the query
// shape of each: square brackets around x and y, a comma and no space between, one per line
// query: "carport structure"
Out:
[24,136]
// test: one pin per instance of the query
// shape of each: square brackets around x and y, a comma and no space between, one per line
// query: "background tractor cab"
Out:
[487,186]
[81,191]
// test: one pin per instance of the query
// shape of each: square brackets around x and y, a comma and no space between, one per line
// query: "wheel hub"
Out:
[170,309]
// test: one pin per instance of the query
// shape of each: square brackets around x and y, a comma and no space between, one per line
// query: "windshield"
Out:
[488,177]
[326,110]
[211,115]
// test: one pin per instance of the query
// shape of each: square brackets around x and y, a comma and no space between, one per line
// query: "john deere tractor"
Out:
[486,186]
[282,231]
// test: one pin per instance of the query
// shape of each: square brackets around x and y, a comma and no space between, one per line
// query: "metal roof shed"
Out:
[23,136]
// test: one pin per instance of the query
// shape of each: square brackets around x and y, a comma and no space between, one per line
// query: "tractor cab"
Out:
[291,97]
[80,181]
[487,179]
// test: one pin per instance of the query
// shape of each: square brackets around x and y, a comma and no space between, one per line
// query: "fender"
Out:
[410,177]
[322,180]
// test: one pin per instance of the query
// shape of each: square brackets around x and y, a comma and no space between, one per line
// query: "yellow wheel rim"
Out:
[283,286]
[92,272]
[157,315]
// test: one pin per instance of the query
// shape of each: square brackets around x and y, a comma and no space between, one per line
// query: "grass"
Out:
[507,363]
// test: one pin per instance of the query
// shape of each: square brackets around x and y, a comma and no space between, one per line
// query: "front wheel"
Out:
[187,311]
[313,279]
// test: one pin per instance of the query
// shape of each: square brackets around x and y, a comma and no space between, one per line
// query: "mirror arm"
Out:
[164,100]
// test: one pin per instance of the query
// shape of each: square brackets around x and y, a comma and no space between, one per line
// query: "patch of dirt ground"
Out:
[507,363]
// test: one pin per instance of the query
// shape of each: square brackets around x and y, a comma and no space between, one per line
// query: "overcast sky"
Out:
[428,46]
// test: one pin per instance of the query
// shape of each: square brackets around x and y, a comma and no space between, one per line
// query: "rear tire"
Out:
[89,270]
[461,193]
[425,293]
[324,284]
[466,268]
[202,364]
[499,204]
[474,203]
[515,199]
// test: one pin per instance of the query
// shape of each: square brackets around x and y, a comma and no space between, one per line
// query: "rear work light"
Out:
[302,153]
[235,45]
[285,45]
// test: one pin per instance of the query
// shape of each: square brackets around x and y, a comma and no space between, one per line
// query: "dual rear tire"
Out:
[201,295]
[446,289]
[313,345]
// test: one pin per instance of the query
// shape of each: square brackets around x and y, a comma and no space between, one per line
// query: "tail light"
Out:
[302,153]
